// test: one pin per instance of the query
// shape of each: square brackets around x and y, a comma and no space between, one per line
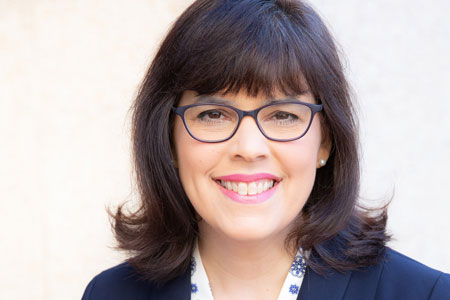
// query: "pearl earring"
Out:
[322,162]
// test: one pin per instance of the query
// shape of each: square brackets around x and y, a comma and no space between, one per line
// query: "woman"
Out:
[245,149]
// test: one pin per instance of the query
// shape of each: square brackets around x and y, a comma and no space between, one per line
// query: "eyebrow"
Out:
[211,99]
[202,99]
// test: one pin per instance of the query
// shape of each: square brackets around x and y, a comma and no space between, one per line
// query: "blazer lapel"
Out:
[179,289]
[329,287]
[314,287]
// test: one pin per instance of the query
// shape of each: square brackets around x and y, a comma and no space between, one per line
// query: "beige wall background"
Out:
[69,71]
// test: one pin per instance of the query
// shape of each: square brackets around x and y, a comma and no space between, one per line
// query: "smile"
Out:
[248,188]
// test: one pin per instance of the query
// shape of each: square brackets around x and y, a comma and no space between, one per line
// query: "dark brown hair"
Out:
[259,46]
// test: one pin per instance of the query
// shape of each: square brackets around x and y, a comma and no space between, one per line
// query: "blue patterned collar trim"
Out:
[201,289]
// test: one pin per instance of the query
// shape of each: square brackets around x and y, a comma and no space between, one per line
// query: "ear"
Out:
[324,149]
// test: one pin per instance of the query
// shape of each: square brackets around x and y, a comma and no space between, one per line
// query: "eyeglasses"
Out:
[280,121]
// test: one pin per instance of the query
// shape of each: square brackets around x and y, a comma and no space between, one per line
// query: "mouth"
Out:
[248,188]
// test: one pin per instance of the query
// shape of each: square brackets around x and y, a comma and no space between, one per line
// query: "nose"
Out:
[248,143]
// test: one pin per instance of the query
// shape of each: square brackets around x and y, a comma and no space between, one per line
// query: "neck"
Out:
[243,267]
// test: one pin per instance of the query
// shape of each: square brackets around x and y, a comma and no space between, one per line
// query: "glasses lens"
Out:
[211,122]
[285,121]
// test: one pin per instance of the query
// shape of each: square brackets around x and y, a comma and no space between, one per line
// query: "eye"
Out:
[211,114]
[215,115]
[282,115]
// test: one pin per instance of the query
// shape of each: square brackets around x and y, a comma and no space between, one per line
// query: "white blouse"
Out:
[201,290]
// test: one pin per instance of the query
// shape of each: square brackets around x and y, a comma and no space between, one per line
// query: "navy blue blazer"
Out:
[398,277]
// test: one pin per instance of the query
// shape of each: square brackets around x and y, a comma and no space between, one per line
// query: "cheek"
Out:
[194,159]
[299,158]
[298,154]
[299,167]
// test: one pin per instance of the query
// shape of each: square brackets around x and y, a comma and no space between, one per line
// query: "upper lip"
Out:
[248,177]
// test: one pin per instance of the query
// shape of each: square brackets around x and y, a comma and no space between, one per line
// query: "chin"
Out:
[252,231]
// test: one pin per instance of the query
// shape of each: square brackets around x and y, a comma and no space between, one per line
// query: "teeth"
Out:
[229,186]
[242,188]
[260,187]
[250,188]
[234,186]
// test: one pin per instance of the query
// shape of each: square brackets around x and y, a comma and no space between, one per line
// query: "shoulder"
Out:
[120,282]
[401,277]
[400,264]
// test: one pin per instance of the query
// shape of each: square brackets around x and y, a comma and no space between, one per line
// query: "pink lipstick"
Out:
[248,178]
[248,199]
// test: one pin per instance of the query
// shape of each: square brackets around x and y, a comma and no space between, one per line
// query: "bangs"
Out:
[229,49]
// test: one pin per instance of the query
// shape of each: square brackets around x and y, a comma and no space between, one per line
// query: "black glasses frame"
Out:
[315,108]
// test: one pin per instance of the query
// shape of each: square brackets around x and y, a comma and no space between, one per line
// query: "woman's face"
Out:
[248,160]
